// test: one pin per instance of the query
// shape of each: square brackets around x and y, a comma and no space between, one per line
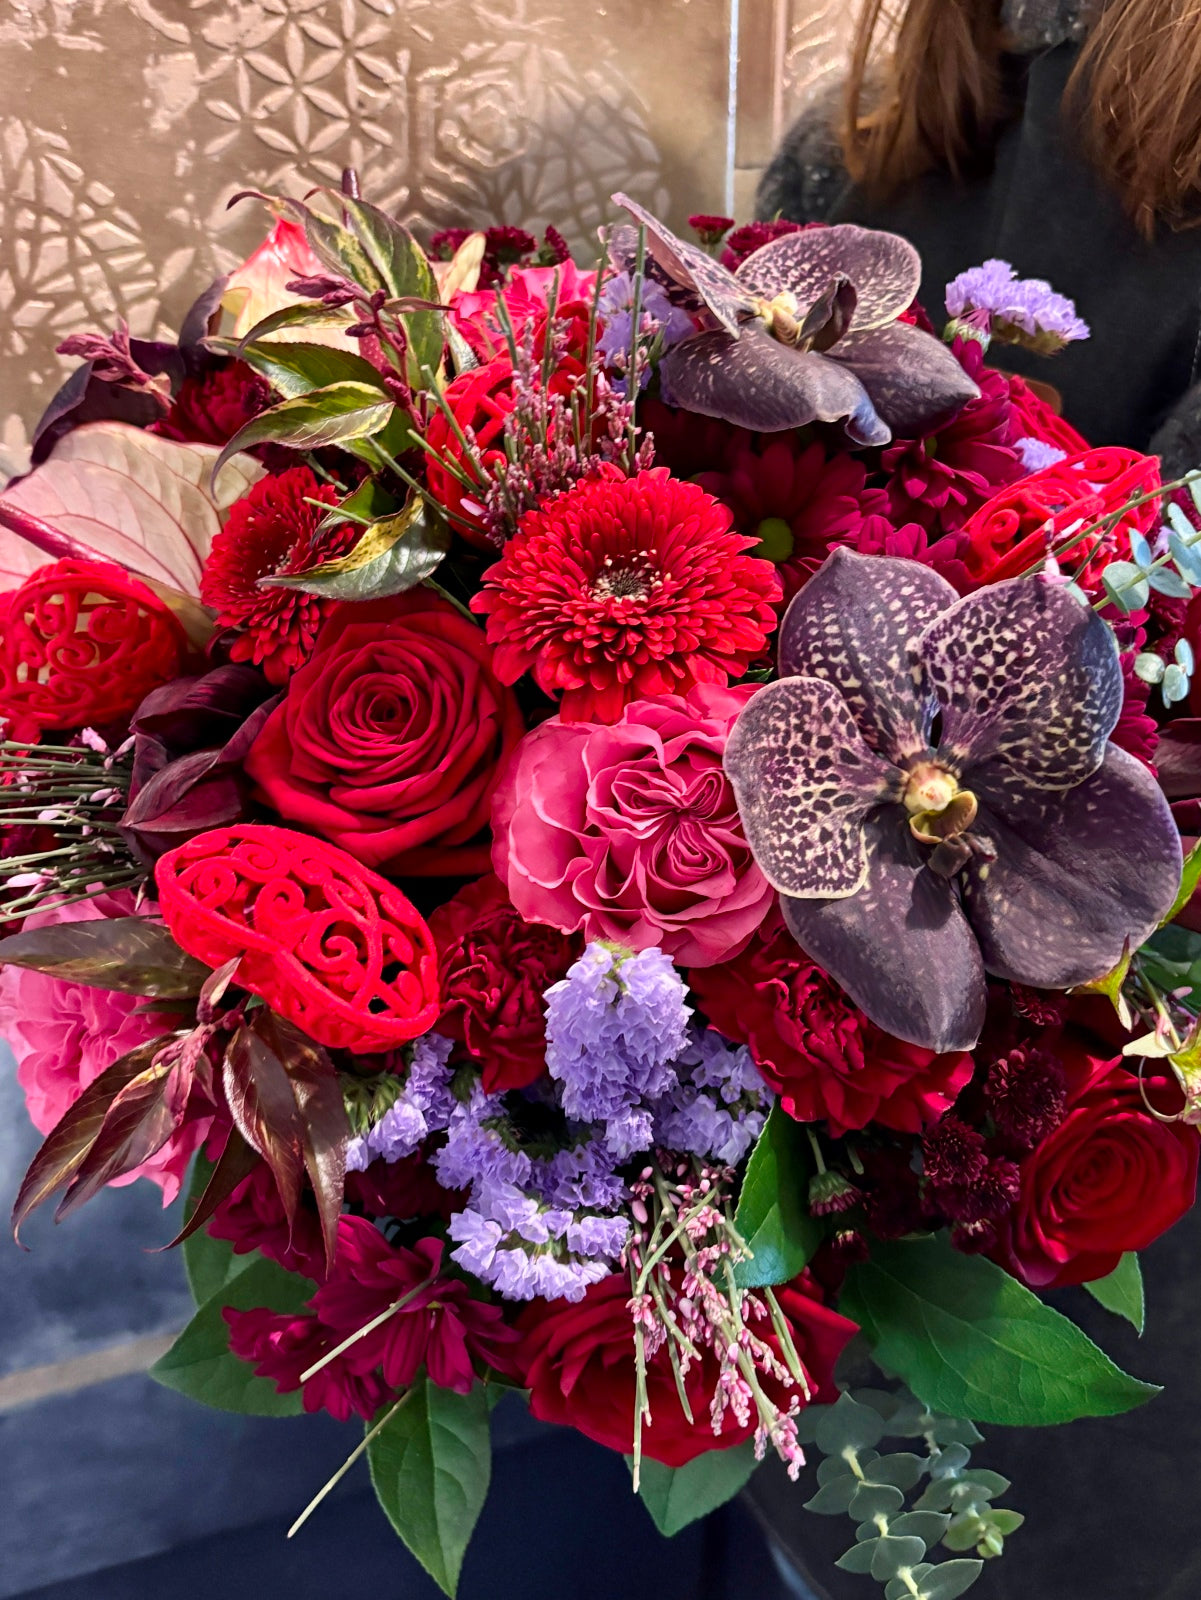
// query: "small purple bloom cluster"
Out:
[1015,306]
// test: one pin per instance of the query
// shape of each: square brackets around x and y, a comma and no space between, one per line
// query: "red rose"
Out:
[577,1360]
[1111,1178]
[493,971]
[817,1050]
[1014,530]
[392,737]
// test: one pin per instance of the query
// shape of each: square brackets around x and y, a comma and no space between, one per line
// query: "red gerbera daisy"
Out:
[272,530]
[624,588]
[797,503]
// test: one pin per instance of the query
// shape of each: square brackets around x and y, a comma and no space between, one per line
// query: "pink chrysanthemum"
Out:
[270,531]
[624,588]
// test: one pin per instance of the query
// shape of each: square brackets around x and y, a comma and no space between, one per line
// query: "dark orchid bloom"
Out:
[805,331]
[931,789]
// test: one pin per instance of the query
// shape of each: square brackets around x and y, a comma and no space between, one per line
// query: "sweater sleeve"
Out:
[1178,438]
[805,179]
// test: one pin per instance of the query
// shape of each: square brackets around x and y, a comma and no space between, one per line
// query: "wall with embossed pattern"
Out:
[126,125]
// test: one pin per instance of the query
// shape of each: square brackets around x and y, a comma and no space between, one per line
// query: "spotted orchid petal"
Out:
[901,948]
[912,377]
[688,266]
[758,383]
[805,780]
[885,270]
[1077,874]
[1030,687]
[856,624]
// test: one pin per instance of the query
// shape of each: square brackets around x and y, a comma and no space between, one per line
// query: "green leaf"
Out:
[833,1499]
[859,1557]
[926,1525]
[1189,878]
[676,1496]
[971,1341]
[335,414]
[134,955]
[430,1467]
[200,1364]
[891,1554]
[1122,1291]
[393,555]
[209,1263]
[773,1209]
[950,1579]
[294,368]
[302,314]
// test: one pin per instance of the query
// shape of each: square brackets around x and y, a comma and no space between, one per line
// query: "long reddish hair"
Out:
[925,91]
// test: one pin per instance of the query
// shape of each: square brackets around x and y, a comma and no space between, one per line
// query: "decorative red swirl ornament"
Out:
[81,645]
[328,944]
[1014,530]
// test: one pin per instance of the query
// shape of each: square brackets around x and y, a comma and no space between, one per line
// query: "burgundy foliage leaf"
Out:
[66,1147]
[263,1106]
[141,1118]
[236,1162]
[133,955]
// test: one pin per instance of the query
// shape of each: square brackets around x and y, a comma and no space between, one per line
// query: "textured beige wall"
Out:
[125,125]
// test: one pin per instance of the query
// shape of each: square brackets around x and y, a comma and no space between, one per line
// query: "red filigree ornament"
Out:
[81,645]
[328,944]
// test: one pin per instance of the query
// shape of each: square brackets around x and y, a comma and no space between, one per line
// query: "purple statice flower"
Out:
[718,1107]
[1023,311]
[1036,454]
[424,1105]
[582,1178]
[475,1150]
[526,1250]
[614,1026]
[660,322]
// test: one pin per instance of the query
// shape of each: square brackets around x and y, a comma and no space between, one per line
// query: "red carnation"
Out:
[271,531]
[493,970]
[797,502]
[752,236]
[818,1051]
[211,408]
[624,588]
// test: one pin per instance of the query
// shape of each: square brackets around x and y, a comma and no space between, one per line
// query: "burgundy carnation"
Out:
[818,1051]
[624,588]
[753,236]
[270,532]
[391,740]
[494,969]
[797,502]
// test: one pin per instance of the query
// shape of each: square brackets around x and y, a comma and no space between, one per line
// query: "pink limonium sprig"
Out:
[683,1209]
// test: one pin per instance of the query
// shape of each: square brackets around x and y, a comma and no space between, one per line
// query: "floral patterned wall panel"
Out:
[126,125]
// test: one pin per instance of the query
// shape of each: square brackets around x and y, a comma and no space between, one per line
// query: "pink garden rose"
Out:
[630,832]
[63,1035]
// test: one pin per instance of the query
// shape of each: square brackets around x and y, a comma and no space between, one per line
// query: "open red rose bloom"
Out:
[626,823]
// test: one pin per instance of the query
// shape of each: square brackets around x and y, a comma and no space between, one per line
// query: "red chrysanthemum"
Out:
[817,1050]
[271,531]
[796,501]
[752,236]
[625,588]
[942,478]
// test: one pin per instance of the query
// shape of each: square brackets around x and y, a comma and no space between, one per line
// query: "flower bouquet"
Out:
[619,830]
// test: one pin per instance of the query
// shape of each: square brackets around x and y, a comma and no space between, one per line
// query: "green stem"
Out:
[367,1439]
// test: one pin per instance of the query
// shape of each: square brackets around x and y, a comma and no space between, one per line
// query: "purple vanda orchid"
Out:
[805,331]
[931,788]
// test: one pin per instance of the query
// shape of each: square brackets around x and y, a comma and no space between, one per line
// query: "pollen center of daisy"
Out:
[626,578]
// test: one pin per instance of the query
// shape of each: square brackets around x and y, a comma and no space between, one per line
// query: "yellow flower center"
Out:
[938,808]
